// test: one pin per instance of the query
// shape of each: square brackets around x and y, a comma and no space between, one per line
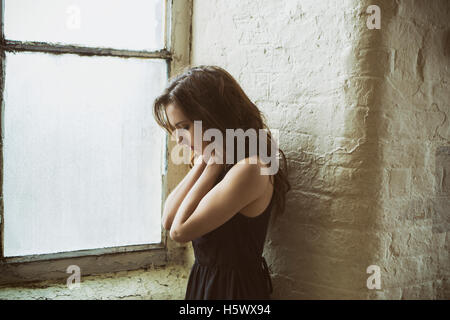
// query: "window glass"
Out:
[82,153]
[120,24]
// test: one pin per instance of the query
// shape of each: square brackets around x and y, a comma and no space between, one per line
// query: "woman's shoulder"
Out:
[260,183]
[252,168]
[252,160]
[256,164]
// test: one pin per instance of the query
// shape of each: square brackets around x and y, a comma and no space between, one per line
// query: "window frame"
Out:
[41,267]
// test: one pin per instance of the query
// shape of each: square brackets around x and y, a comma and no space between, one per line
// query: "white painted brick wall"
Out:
[358,125]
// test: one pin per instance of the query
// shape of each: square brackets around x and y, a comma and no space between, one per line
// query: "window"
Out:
[83,161]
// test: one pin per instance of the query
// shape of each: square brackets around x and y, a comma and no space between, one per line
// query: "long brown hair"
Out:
[212,95]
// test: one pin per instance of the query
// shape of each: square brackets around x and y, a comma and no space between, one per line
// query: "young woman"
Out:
[223,207]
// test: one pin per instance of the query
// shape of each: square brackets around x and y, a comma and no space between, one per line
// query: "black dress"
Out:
[228,261]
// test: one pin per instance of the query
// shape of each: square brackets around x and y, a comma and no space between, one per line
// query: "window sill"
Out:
[21,270]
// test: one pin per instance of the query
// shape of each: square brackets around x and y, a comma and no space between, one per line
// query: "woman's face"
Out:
[179,121]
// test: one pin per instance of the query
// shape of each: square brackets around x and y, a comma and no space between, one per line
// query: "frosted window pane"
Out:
[121,24]
[82,153]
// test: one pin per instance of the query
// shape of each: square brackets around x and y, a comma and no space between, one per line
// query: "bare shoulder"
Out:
[249,171]
[251,164]
[255,165]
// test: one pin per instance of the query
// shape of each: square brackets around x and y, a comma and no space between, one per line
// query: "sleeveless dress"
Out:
[228,261]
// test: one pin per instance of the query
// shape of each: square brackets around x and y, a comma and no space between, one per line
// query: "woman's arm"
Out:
[201,187]
[208,206]
[176,197]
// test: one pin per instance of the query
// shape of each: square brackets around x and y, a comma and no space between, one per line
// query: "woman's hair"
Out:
[212,95]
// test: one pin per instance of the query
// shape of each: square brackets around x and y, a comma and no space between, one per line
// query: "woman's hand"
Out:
[176,197]
[216,156]
[207,180]
[198,159]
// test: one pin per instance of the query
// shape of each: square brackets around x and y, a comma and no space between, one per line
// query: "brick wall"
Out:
[414,139]
[361,114]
